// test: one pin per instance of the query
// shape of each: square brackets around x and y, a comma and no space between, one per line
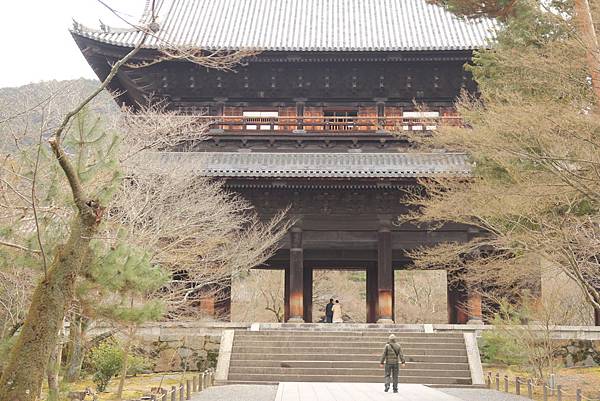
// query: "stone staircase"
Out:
[304,355]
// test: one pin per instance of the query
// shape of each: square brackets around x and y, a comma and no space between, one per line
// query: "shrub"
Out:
[498,347]
[137,364]
[106,360]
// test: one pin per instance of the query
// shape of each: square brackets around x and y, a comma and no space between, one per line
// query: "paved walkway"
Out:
[357,392]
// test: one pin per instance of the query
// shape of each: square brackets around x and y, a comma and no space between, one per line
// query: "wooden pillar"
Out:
[372,294]
[296,294]
[286,295]
[597,317]
[300,116]
[474,308]
[456,303]
[307,294]
[385,277]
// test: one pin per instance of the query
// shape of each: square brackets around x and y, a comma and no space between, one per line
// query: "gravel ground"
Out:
[474,394]
[237,393]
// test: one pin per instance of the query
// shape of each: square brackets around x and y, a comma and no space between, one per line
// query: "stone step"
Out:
[379,339]
[376,372]
[346,333]
[343,344]
[408,351]
[254,377]
[372,364]
[286,356]
[405,328]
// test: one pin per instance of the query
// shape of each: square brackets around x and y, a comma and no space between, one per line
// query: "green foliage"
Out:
[499,348]
[106,361]
[137,364]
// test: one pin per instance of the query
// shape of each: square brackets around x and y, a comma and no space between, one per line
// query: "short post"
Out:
[578,396]
[518,386]
[545,392]
[497,381]
[505,383]
[194,383]
[173,393]
[200,384]
[188,389]
[203,380]
[164,397]
[180,391]
[488,380]
[530,389]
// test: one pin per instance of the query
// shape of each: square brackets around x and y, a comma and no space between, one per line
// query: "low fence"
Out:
[183,391]
[535,391]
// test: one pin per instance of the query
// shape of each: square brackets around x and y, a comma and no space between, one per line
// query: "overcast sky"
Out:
[35,39]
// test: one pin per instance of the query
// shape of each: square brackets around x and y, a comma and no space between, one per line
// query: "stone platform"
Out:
[357,392]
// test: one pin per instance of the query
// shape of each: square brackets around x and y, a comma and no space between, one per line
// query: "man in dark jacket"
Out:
[391,357]
[329,311]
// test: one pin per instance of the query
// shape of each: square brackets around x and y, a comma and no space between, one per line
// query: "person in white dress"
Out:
[337,312]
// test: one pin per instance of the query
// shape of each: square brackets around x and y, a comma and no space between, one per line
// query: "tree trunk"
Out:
[54,370]
[125,366]
[77,331]
[583,15]
[24,373]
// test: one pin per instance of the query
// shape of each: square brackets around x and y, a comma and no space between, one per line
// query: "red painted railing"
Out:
[328,124]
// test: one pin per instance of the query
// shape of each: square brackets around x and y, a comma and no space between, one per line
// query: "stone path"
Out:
[237,392]
[474,394]
[346,392]
[357,392]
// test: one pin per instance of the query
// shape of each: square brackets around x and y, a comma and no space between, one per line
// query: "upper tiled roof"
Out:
[305,25]
[318,165]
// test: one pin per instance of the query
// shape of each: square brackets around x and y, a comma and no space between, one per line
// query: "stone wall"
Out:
[190,346]
[580,353]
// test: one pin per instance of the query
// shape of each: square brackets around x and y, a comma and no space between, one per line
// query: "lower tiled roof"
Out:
[319,165]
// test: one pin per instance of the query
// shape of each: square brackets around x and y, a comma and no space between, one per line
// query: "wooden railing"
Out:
[546,390]
[183,391]
[328,124]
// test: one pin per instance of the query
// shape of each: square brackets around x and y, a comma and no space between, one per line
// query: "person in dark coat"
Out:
[390,359]
[329,312]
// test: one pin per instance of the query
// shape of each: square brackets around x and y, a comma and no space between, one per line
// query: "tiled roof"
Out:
[305,165]
[305,25]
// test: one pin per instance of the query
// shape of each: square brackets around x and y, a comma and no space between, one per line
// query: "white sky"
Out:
[36,43]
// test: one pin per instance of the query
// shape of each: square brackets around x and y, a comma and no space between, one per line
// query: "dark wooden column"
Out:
[372,294]
[385,277]
[286,295]
[296,294]
[474,308]
[456,302]
[596,317]
[308,294]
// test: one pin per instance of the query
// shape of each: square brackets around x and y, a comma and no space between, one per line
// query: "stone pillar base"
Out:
[295,320]
[475,321]
[385,321]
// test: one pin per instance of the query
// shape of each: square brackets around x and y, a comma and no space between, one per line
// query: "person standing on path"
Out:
[390,359]
[337,312]
[329,311]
